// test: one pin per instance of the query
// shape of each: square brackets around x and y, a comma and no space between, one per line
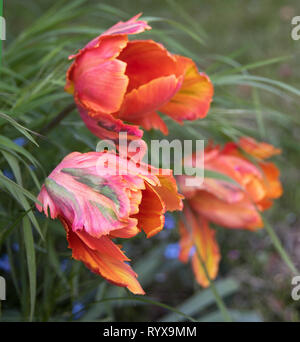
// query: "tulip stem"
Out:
[55,121]
[219,301]
[280,249]
[218,298]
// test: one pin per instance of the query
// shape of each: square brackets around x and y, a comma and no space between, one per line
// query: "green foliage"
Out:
[44,283]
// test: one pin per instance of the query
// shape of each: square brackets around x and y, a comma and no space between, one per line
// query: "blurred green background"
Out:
[247,50]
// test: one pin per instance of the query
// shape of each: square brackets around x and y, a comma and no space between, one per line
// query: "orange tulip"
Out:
[96,205]
[115,80]
[235,205]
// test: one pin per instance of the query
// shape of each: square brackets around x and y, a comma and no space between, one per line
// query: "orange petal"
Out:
[109,263]
[193,99]
[88,62]
[237,168]
[256,189]
[150,217]
[223,190]
[106,127]
[186,242]
[202,237]
[102,245]
[264,204]
[168,192]
[272,182]
[129,231]
[152,120]
[102,87]
[260,150]
[107,48]
[131,26]
[146,60]
[121,29]
[242,214]
[145,100]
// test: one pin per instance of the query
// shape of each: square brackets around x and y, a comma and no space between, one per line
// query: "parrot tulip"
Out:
[235,204]
[96,205]
[114,80]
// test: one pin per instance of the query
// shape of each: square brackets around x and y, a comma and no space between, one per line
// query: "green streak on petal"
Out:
[108,213]
[108,192]
[96,183]
[59,191]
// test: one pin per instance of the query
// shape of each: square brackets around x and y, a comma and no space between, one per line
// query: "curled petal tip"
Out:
[131,26]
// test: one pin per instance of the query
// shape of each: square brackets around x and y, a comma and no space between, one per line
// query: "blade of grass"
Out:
[4,234]
[31,263]
[147,301]
[17,187]
[201,300]
[258,114]
[280,249]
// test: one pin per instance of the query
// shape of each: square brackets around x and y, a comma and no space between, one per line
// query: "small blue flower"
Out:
[7,173]
[77,310]
[20,141]
[16,247]
[169,221]
[192,251]
[4,263]
[172,251]
[64,265]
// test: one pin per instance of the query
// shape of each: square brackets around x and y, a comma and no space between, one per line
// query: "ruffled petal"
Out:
[103,257]
[168,192]
[271,180]
[121,29]
[129,231]
[145,100]
[47,203]
[103,245]
[85,79]
[264,204]
[239,169]
[238,215]
[256,189]
[221,189]
[201,237]
[90,195]
[151,217]
[146,60]
[193,100]
[84,207]
[152,120]
[260,150]
[102,88]
[131,26]
[107,127]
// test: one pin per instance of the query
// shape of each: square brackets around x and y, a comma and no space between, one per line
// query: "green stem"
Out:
[53,123]
[220,303]
[280,249]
